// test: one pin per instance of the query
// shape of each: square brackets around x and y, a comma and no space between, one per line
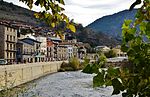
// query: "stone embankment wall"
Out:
[118,64]
[14,75]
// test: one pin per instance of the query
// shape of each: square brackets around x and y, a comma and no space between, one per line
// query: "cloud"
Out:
[86,11]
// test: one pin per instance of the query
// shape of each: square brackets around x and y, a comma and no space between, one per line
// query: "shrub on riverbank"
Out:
[73,65]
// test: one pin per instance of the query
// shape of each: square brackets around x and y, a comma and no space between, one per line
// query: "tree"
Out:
[52,15]
[134,80]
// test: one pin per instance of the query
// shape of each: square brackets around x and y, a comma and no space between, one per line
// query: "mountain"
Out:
[111,24]
[87,35]
[9,11]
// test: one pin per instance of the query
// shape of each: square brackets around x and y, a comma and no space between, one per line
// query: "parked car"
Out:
[3,62]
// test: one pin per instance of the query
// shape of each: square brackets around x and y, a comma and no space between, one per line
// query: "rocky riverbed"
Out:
[66,84]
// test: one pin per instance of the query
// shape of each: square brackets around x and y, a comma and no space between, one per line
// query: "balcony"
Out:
[10,41]
[11,50]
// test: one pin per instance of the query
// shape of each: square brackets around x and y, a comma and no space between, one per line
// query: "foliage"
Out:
[52,14]
[65,67]
[86,61]
[135,80]
[94,67]
[74,63]
[110,54]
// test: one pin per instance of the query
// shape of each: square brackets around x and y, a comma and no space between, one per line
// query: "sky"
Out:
[87,11]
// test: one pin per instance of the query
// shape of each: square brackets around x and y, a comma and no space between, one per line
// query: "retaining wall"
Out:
[14,75]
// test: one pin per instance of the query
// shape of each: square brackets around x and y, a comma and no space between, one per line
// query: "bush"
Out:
[110,54]
[74,63]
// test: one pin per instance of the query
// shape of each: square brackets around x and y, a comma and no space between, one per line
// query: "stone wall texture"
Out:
[14,75]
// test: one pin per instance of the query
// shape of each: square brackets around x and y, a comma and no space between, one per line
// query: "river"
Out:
[66,84]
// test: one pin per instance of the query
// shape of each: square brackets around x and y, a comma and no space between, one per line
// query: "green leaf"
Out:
[124,48]
[98,80]
[127,22]
[143,26]
[61,1]
[37,3]
[72,28]
[117,86]
[125,95]
[132,31]
[113,72]
[90,69]
[87,69]
[129,37]
[148,30]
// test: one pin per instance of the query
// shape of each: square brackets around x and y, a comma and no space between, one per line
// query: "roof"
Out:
[66,43]
[30,41]
[54,39]
[22,42]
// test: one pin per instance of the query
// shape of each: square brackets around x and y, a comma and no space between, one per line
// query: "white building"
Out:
[102,48]
[70,51]
[43,46]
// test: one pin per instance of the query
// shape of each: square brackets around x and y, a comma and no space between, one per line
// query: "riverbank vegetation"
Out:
[74,64]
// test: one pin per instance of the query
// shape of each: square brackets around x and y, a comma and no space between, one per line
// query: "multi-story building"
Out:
[28,50]
[71,48]
[8,40]
[62,52]
[43,46]
[25,52]
[82,51]
[52,48]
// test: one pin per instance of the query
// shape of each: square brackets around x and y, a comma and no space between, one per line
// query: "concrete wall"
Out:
[14,75]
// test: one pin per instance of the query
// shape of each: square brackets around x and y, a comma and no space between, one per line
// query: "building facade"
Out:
[8,40]
[28,50]
[25,52]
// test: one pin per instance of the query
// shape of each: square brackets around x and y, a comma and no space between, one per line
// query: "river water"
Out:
[66,84]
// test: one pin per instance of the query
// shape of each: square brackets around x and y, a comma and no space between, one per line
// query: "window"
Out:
[7,55]
[14,38]
[8,37]
[27,51]
[19,49]
[10,46]
[10,55]
[14,47]
[24,51]
[7,46]
[14,55]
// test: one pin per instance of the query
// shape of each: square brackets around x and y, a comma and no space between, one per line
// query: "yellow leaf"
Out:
[72,28]
[53,24]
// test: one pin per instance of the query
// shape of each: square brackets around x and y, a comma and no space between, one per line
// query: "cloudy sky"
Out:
[86,11]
